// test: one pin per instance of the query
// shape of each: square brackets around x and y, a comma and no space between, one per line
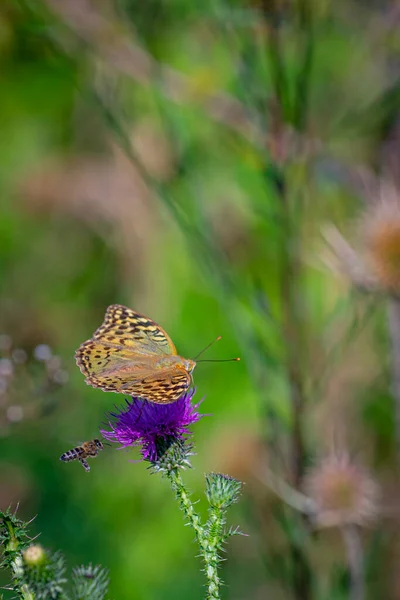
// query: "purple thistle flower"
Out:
[153,427]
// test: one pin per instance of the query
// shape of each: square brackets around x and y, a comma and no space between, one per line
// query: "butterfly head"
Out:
[189,365]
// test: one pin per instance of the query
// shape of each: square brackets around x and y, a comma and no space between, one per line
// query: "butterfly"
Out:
[130,354]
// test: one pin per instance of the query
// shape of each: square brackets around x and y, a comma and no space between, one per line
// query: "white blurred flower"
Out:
[42,352]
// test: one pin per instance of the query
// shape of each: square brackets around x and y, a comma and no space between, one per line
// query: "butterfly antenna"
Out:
[207,347]
[219,360]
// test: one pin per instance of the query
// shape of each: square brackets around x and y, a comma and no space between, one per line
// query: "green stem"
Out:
[215,536]
[17,569]
[16,564]
[209,545]
[216,524]
[355,558]
[185,503]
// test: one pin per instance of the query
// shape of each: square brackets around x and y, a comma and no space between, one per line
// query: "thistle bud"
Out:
[34,556]
[222,490]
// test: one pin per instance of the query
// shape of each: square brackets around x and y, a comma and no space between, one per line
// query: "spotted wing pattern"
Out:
[162,387]
[123,356]
[120,340]
[128,328]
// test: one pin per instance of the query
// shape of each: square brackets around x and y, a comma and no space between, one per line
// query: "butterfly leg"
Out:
[85,464]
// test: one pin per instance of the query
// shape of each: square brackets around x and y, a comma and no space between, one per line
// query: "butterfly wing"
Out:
[94,358]
[124,336]
[128,328]
[162,387]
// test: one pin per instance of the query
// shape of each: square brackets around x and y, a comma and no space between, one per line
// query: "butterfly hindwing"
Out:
[162,387]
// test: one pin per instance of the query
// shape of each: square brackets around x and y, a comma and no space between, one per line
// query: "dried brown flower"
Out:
[342,492]
[381,237]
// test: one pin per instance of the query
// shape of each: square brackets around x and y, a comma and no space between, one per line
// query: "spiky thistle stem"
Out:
[215,537]
[15,540]
[208,545]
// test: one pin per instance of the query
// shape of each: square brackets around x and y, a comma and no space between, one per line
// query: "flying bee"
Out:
[81,453]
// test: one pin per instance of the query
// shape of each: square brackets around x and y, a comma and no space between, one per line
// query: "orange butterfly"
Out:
[131,354]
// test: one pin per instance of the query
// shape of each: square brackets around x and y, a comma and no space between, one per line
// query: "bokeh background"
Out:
[185,159]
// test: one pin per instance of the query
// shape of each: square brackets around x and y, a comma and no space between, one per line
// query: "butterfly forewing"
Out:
[123,356]
[127,328]
[123,337]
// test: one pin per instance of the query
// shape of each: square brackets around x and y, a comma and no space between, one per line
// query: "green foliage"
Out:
[13,537]
[38,574]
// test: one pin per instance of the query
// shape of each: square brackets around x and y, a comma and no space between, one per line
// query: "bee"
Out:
[82,452]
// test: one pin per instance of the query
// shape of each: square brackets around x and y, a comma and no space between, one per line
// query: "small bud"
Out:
[34,556]
[222,490]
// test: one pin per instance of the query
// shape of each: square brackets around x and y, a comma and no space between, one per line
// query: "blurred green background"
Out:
[159,183]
